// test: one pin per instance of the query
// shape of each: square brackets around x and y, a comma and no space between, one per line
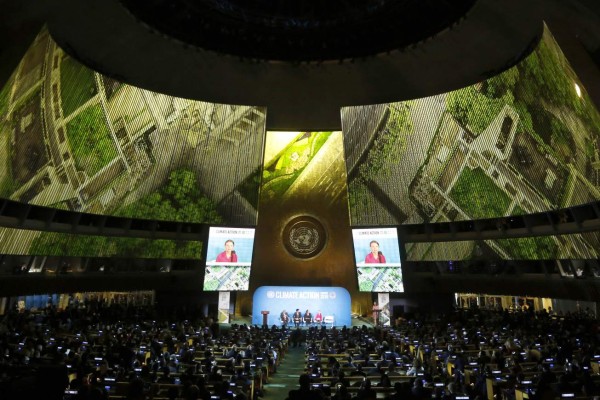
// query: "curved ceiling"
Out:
[299,30]
[305,96]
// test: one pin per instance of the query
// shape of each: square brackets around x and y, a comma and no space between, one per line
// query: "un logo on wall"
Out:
[304,237]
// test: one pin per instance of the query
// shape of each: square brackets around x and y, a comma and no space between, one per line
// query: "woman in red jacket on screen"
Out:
[229,254]
[375,256]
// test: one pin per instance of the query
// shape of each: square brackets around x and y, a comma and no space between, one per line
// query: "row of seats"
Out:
[470,353]
[114,351]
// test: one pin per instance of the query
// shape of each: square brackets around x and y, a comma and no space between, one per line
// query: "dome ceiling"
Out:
[482,39]
[299,30]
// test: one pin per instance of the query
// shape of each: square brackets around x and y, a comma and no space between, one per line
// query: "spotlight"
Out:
[578,90]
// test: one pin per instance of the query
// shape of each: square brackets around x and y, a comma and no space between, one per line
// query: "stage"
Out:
[356,321]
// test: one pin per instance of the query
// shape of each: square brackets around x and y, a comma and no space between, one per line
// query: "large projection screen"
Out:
[377,256]
[228,258]
[526,140]
[75,139]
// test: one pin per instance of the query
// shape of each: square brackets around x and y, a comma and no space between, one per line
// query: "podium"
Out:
[265,315]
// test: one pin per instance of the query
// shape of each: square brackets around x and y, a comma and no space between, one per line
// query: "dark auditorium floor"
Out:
[291,366]
[287,374]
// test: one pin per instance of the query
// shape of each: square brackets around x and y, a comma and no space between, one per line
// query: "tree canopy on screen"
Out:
[473,109]
[547,77]
[388,144]
[179,200]
[91,143]
[61,244]
[386,149]
[542,89]
[530,248]
[478,195]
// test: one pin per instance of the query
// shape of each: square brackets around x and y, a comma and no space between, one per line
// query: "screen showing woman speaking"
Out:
[228,258]
[377,256]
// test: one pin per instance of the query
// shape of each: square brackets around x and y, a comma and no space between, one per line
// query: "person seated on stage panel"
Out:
[307,318]
[285,318]
[297,317]
[318,318]
[229,254]
[375,256]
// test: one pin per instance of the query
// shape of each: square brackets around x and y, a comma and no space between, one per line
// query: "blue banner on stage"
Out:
[332,302]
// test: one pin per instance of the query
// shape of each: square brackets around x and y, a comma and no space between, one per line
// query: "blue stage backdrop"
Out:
[334,302]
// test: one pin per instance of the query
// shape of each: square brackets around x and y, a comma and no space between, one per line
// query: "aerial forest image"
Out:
[523,141]
[74,139]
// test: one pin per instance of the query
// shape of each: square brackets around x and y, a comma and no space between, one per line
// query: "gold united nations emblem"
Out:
[304,237]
